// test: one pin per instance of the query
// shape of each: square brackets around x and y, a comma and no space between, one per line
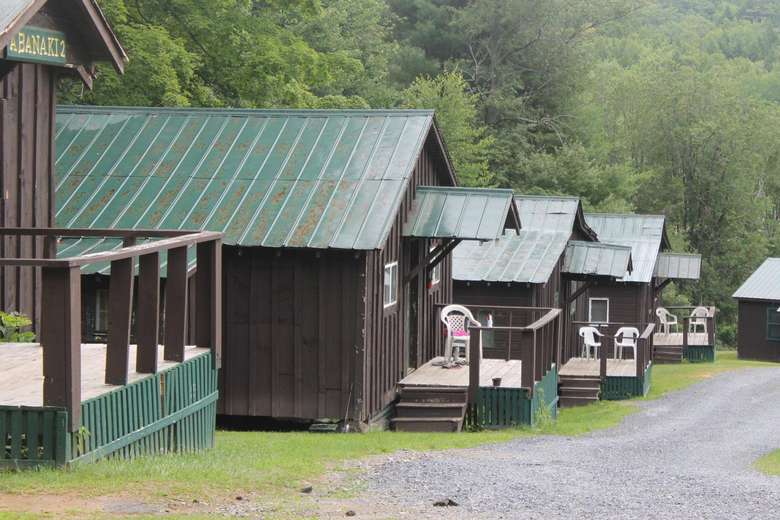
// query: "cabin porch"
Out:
[63,402]
[610,374]
[509,379]
[684,342]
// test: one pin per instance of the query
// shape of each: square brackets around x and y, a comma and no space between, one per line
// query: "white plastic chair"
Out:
[666,319]
[457,318]
[628,337]
[698,320]
[589,337]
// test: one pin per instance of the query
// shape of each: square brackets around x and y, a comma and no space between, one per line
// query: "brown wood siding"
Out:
[289,332]
[384,362]
[752,342]
[27,101]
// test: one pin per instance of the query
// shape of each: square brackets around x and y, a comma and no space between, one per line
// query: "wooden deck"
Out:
[675,339]
[590,367]
[432,375]
[22,365]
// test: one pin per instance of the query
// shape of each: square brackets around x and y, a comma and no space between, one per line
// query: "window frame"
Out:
[590,310]
[393,269]
[101,315]
[771,312]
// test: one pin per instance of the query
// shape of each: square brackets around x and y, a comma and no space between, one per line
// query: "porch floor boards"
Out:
[22,367]
[431,375]
[675,339]
[578,367]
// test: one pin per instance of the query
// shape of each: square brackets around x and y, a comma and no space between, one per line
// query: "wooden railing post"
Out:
[208,309]
[475,360]
[61,340]
[120,311]
[686,326]
[147,330]
[640,355]
[509,339]
[711,330]
[528,361]
[603,359]
[176,304]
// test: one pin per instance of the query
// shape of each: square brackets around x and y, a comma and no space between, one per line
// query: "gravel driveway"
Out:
[687,455]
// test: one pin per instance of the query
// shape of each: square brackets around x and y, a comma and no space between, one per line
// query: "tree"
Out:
[456,114]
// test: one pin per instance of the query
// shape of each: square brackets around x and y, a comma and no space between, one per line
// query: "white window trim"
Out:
[590,309]
[101,299]
[435,271]
[394,284]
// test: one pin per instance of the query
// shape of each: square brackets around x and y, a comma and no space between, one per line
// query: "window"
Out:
[436,271]
[391,285]
[101,310]
[773,323]
[598,310]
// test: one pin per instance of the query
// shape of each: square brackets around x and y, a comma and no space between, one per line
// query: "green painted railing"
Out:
[174,410]
[499,407]
[617,388]
[699,354]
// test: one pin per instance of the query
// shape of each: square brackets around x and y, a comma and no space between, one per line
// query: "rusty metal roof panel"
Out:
[645,234]
[274,178]
[553,213]
[763,284]
[463,213]
[678,266]
[525,257]
[596,259]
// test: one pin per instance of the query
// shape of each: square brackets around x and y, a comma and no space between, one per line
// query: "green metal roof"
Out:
[463,213]
[552,213]
[595,259]
[645,234]
[525,257]
[272,178]
[678,266]
[763,284]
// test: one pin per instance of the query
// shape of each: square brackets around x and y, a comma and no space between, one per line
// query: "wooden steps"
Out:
[578,390]
[430,409]
[667,354]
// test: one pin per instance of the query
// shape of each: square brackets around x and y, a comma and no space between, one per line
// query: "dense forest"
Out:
[666,106]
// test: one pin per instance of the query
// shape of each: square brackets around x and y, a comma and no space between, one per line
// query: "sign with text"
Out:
[38,45]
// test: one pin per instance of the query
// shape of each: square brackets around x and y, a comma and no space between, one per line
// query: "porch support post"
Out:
[208,299]
[176,304]
[475,359]
[527,355]
[148,314]
[120,310]
[603,360]
[61,340]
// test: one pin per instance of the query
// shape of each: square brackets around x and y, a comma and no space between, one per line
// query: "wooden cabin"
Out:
[629,301]
[758,324]
[337,227]
[62,402]
[517,277]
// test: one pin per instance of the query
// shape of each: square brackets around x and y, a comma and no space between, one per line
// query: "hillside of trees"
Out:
[667,106]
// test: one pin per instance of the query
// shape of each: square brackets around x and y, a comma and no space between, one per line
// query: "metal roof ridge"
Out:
[71,109]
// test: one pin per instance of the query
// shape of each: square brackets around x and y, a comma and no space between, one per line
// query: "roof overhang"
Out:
[461,213]
[85,14]
[678,266]
[593,260]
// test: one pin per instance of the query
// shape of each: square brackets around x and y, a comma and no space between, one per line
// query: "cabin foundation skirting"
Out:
[511,407]
[172,411]
[617,388]
[699,354]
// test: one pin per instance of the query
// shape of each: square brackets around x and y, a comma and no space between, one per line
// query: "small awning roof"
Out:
[461,213]
[596,259]
[678,266]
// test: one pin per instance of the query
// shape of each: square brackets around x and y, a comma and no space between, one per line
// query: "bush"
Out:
[727,336]
[11,325]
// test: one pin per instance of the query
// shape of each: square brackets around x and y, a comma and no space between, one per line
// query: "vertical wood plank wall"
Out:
[289,332]
[752,342]
[384,360]
[27,102]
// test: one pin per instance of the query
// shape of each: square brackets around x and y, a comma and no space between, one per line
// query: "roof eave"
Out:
[114,50]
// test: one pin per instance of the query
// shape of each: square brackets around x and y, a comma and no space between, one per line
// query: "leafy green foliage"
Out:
[11,328]
[456,113]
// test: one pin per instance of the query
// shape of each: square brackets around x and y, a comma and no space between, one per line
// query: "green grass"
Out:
[275,464]
[769,464]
